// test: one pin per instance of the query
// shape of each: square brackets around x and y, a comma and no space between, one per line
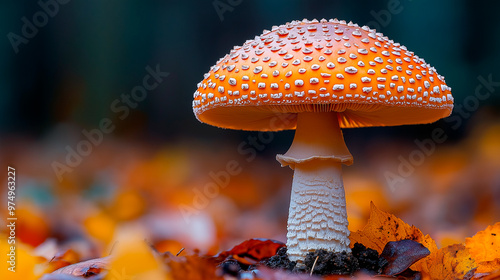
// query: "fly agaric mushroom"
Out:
[318,77]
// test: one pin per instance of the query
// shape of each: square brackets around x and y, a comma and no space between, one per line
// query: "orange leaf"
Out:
[488,266]
[451,262]
[252,251]
[33,221]
[192,267]
[485,245]
[62,259]
[383,227]
[100,226]
[128,205]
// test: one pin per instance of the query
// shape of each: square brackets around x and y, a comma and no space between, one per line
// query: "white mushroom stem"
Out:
[317,216]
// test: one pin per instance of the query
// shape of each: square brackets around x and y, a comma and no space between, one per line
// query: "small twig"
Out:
[112,247]
[150,245]
[179,252]
[314,264]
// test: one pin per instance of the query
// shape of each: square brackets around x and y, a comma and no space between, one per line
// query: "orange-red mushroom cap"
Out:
[321,66]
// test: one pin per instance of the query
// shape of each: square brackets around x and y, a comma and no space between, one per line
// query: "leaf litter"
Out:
[386,247]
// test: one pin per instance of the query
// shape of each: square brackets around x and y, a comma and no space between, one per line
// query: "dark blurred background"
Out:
[64,63]
[90,52]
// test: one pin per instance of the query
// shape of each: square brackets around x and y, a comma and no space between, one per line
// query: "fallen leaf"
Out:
[133,258]
[485,245]
[484,248]
[100,226]
[128,205]
[278,274]
[53,276]
[86,268]
[33,221]
[488,266]
[356,276]
[168,245]
[383,227]
[402,254]
[451,262]
[19,264]
[252,251]
[487,276]
[62,259]
[191,267]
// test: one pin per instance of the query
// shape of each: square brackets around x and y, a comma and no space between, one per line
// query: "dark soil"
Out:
[368,259]
[280,261]
[230,267]
[322,262]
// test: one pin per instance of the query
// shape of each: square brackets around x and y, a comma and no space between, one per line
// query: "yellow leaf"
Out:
[451,262]
[383,227]
[20,264]
[485,245]
[134,259]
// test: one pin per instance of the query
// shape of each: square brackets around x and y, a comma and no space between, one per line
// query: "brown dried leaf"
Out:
[402,254]
[191,267]
[487,276]
[86,268]
[53,276]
